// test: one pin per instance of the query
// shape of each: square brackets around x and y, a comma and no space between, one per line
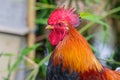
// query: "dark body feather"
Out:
[56,73]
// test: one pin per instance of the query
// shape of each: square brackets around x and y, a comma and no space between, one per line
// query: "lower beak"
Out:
[49,27]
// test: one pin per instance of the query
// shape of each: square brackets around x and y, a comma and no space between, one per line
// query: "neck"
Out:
[74,53]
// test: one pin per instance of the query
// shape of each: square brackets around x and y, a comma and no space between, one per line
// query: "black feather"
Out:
[56,73]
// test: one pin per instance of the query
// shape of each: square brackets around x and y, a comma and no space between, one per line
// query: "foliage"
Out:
[20,58]
[43,48]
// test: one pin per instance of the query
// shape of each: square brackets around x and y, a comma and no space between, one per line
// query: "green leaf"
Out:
[93,17]
[96,19]
[6,54]
[97,1]
[41,21]
[89,37]
[90,16]
[94,49]
[33,74]
[110,60]
[82,15]
[44,6]
[20,57]
[87,2]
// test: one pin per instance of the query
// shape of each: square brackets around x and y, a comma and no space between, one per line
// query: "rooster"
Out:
[72,58]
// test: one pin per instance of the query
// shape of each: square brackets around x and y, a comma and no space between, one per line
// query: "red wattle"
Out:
[56,36]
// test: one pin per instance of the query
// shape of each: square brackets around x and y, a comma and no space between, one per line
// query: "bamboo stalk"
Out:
[31,25]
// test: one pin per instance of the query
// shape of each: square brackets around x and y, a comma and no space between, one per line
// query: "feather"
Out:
[73,59]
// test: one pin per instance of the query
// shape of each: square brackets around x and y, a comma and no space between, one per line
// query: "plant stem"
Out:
[111,12]
[110,60]
[86,27]
[33,74]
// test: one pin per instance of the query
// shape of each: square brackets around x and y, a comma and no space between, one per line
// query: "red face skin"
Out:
[58,33]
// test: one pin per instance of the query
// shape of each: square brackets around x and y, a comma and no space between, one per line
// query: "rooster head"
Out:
[58,23]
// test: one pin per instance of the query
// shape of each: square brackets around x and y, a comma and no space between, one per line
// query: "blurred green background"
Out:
[100,25]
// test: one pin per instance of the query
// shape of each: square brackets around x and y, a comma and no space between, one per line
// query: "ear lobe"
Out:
[66,28]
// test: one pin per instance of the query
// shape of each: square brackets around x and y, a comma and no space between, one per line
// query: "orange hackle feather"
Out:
[74,53]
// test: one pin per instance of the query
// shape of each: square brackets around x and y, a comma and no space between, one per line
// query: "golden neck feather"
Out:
[74,53]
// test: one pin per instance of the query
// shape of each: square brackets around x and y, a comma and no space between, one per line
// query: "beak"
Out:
[49,27]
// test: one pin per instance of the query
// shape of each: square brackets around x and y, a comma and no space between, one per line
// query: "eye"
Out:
[60,24]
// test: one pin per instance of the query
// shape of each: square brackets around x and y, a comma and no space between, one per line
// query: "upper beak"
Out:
[49,27]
